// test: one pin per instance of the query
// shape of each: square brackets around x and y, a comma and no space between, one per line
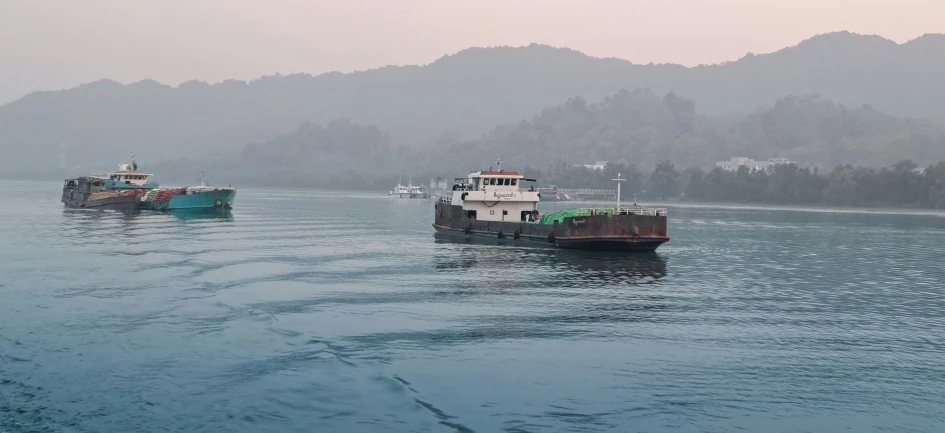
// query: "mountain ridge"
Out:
[465,93]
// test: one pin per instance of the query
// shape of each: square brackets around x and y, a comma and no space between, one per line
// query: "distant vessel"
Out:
[409,191]
[130,189]
[495,204]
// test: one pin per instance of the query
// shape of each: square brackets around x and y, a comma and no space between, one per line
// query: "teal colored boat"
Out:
[190,198]
[128,181]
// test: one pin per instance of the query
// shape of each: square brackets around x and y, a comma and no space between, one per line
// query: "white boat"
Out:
[409,191]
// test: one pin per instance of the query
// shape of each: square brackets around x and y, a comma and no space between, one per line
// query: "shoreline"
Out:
[694,205]
[777,207]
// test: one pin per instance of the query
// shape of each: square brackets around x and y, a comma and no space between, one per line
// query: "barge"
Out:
[130,189]
[495,204]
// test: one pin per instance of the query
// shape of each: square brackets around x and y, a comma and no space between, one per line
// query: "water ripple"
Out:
[308,310]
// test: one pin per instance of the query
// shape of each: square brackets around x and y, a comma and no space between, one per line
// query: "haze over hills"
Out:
[630,128]
[465,94]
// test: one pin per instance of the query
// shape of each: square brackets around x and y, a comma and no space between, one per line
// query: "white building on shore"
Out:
[597,165]
[740,161]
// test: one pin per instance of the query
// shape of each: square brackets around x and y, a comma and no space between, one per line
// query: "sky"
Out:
[57,44]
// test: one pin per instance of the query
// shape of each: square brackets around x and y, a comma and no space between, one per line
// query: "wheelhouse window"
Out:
[514,181]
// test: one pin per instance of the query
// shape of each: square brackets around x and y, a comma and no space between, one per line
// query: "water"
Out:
[314,311]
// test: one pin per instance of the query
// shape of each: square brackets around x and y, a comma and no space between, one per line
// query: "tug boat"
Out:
[130,189]
[495,204]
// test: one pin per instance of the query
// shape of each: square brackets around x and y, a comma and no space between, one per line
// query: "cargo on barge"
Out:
[496,204]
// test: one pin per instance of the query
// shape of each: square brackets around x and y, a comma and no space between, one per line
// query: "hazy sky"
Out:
[54,44]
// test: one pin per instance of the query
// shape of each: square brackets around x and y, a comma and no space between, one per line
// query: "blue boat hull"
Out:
[218,199]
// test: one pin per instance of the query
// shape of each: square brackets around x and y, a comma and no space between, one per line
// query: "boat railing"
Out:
[622,211]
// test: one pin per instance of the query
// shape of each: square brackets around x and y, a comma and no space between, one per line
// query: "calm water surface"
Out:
[312,311]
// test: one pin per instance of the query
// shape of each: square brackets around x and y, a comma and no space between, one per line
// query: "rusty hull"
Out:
[599,232]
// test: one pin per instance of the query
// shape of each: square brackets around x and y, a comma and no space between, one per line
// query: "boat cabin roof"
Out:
[124,172]
[499,174]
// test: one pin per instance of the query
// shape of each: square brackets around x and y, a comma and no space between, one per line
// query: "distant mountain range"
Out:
[630,128]
[96,125]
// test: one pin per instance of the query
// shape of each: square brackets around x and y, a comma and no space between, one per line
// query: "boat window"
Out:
[514,181]
[507,182]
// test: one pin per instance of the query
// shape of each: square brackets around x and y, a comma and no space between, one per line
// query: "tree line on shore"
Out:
[903,184]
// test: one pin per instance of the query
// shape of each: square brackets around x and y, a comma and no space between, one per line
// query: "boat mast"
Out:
[619,181]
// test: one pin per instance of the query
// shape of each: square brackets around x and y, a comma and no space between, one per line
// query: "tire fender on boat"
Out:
[551,237]
[515,234]
[467,229]
[500,235]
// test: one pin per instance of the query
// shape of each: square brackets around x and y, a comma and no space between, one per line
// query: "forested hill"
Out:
[641,128]
[631,128]
[467,93]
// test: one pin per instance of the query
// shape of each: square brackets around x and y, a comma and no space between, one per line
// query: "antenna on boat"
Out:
[134,165]
[620,180]
[498,164]
[203,179]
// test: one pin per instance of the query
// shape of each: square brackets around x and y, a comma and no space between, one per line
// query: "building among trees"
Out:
[764,166]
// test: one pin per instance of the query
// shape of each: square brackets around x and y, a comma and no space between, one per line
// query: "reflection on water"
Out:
[184,214]
[196,214]
[576,265]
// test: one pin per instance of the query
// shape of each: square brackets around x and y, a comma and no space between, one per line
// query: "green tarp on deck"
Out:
[561,215]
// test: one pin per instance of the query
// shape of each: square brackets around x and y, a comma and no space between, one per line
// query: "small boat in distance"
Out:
[494,204]
[409,191]
[130,189]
